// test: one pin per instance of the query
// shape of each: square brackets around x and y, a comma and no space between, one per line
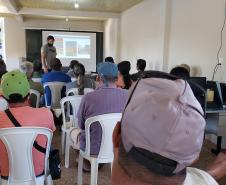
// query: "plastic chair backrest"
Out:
[55,88]
[37,97]
[74,101]
[19,144]
[107,122]
[37,80]
[89,83]
[74,91]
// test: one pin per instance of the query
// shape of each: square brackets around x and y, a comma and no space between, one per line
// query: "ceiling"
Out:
[98,10]
[114,6]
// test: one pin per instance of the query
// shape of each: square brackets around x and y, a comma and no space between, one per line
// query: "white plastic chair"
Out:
[74,101]
[55,88]
[106,155]
[74,91]
[37,80]
[19,144]
[37,95]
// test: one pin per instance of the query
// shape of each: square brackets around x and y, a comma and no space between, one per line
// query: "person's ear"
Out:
[117,135]
[98,78]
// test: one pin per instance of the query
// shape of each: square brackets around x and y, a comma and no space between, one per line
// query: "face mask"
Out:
[50,44]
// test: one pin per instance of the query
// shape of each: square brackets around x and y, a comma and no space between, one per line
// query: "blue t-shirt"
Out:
[55,76]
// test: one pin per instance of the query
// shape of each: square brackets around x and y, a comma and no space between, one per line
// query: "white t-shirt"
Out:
[198,177]
[3,104]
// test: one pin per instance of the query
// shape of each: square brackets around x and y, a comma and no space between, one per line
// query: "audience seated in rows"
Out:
[124,79]
[15,87]
[106,99]
[81,81]
[109,59]
[56,75]
[160,136]
[38,71]
[72,65]
[141,65]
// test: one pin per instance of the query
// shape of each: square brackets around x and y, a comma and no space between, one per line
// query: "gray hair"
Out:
[27,68]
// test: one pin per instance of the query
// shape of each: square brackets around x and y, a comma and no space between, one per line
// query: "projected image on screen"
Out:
[73,46]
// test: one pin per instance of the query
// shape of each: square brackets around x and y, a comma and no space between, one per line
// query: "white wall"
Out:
[15,34]
[2,37]
[111,38]
[195,35]
[14,42]
[142,34]
[170,32]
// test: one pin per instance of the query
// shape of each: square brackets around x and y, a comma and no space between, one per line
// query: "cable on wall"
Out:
[221,45]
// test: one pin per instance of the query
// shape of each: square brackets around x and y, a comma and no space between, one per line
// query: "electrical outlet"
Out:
[221,60]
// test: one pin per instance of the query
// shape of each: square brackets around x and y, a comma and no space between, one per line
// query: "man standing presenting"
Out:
[48,53]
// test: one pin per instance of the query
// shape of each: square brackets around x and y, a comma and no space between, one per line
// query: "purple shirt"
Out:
[101,101]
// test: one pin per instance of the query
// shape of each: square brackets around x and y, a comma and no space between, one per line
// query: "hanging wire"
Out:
[221,45]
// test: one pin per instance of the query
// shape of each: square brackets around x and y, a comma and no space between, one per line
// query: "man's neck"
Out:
[56,70]
[110,85]
[15,105]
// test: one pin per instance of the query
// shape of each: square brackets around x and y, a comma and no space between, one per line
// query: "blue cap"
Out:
[107,69]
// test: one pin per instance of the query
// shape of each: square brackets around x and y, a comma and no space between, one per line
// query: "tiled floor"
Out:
[69,176]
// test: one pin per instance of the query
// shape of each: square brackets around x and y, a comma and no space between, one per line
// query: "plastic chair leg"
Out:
[62,142]
[111,167]
[80,167]
[49,180]
[94,172]
[67,150]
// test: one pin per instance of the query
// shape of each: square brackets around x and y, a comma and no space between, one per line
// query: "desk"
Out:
[216,124]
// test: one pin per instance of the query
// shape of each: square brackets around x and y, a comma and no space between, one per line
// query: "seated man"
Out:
[27,68]
[109,59]
[160,136]
[56,75]
[38,71]
[15,87]
[141,65]
[181,71]
[106,99]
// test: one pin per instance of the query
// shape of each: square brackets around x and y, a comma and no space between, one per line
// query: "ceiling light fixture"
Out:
[76,5]
[3,9]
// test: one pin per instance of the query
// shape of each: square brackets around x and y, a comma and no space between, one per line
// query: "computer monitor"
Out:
[201,81]
[215,87]
[199,86]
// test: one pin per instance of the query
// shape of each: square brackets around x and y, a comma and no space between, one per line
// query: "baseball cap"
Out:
[163,117]
[107,69]
[15,82]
